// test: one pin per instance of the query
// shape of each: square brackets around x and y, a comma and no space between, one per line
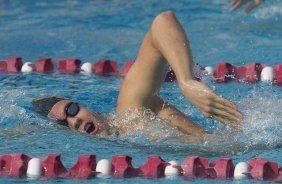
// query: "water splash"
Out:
[261,128]
[263,120]
[12,113]
[272,11]
[142,125]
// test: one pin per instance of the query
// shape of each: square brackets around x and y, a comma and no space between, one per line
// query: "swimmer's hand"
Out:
[210,104]
[238,3]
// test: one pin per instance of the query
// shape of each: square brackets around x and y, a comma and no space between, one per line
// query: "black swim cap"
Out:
[43,105]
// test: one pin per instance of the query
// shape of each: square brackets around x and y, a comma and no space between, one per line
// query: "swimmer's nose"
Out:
[91,128]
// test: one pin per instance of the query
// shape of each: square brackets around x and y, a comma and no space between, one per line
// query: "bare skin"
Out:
[83,121]
[235,4]
[164,44]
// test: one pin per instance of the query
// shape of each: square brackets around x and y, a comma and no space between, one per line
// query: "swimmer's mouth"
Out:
[91,128]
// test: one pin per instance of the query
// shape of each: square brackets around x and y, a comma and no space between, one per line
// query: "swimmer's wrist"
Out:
[186,80]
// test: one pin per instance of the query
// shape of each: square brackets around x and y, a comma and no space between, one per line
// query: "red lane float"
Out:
[154,167]
[249,73]
[105,67]
[221,169]
[84,168]
[69,66]
[278,73]
[53,167]
[14,165]
[194,167]
[44,65]
[11,65]
[263,169]
[224,72]
[20,165]
[122,166]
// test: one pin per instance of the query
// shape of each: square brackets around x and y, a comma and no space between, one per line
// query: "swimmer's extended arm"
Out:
[166,42]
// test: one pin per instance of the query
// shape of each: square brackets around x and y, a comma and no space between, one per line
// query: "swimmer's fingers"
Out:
[226,118]
[224,102]
[227,109]
[254,4]
[222,110]
[223,117]
[214,104]
[210,104]
[231,113]
[233,2]
[238,3]
[227,106]
[226,121]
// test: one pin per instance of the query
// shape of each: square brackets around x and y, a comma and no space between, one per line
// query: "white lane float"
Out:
[34,168]
[267,74]
[240,170]
[28,67]
[171,170]
[86,68]
[104,168]
[209,70]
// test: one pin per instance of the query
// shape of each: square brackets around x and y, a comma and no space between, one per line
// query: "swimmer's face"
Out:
[77,117]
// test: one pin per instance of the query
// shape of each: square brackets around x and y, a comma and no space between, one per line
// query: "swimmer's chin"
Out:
[100,124]
[98,132]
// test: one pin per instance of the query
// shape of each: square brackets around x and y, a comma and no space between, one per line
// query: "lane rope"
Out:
[120,166]
[222,73]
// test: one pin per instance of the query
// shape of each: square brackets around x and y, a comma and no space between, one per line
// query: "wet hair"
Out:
[43,105]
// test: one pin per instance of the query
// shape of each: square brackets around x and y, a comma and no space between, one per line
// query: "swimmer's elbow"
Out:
[163,17]
[162,21]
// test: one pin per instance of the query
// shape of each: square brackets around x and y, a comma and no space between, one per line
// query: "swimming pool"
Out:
[92,30]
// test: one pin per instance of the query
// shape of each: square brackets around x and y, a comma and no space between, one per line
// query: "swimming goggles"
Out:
[72,109]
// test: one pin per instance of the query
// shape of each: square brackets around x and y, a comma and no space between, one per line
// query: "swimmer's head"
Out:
[70,113]
[44,105]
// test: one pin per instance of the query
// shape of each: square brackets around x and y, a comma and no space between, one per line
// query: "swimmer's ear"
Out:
[54,117]
[44,105]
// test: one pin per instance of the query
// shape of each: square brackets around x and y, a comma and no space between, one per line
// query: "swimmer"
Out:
[235,4]
[164,44]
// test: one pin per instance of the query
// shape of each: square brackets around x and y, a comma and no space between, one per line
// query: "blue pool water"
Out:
[92,30]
